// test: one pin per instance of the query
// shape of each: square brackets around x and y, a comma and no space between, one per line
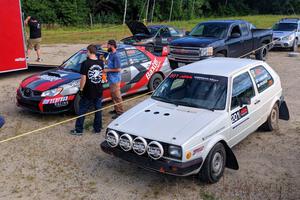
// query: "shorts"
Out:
[34,43]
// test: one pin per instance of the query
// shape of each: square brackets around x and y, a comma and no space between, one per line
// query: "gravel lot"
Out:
[55,165]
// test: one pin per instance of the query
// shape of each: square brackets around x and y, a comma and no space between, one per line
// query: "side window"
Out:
[242,87]
[262,77]
[136,56]
[173,31]
[123,58]
[236,29]
[244,29]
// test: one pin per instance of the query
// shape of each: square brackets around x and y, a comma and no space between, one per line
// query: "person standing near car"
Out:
[2,121]
[90,90]
[113,71]
[35,36]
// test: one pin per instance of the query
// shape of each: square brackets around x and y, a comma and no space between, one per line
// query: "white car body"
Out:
[197,130]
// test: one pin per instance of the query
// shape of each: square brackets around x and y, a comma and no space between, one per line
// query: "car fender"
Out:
[231,161]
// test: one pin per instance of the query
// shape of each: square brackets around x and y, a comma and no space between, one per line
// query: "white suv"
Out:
[196,115]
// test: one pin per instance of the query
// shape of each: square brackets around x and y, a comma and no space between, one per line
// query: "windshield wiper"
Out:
[158,98]
[189,104]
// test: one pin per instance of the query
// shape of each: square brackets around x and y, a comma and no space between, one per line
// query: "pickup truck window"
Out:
[216,30]
[242,88]
[245,29]
[285,27]
[236,29]
[193,90]
[262,78]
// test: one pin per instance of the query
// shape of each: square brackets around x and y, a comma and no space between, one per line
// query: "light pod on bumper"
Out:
[126,142]
[139,145]
[112,138]
[155,150]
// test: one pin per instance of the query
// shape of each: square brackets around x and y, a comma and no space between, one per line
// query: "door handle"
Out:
[256,102]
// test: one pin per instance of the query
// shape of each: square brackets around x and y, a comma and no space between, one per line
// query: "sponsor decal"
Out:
[153,68]
[49,78]
[198,150]
[239,114]
[57,101]
[20,59]
[95,74]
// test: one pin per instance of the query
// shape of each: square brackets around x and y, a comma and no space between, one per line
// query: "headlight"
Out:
[52,93]
[290,37]
[70,88]
[112,138]
[175,151]
[208,51]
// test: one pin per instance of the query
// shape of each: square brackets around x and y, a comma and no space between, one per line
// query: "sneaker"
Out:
[115,116]
[39,60]
[112,112]
[77,133]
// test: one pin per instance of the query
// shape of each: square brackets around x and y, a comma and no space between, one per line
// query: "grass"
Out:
[101,33]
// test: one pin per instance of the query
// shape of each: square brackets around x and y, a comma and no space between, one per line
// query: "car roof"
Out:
[228,21]
[219,66]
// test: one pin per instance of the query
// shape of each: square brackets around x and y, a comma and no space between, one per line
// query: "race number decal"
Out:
[239,114]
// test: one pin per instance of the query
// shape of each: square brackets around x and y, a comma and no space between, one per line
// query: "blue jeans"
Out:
[2,121]
[84,105]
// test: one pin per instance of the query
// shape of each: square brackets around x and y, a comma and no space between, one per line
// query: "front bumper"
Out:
[284,43]
[162,165]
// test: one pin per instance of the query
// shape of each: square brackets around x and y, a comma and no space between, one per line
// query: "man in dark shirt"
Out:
[90,90]
[35,36]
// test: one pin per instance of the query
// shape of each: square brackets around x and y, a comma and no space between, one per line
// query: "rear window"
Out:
[262,77]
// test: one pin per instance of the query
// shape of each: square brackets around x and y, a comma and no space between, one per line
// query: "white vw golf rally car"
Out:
[196,115]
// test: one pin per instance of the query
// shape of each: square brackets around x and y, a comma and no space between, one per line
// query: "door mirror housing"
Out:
[244,101]
[235,35]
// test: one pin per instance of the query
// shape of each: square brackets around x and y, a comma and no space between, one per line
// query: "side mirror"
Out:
[244,101]
[235,35]
[187,32]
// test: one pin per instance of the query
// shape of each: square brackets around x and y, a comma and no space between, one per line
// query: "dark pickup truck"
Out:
[222,38]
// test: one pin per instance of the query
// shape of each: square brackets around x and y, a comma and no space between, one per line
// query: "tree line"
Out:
[82,12]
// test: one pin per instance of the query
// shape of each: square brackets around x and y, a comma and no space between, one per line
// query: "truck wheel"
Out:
[76,104]
[272,121]
[173,64]
[154,82]
[295,46]
[261,54]
[214,165]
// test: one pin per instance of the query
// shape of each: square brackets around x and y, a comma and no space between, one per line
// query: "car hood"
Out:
[164,122]
[280,34]
[191,41]
[49,79]
[137,28]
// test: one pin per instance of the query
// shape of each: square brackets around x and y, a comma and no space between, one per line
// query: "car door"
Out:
[263,81]
[138,65]
[234,42]
[242,114]
[247,39]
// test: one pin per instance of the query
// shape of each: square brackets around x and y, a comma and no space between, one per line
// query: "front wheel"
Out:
[154,82]
[214,165]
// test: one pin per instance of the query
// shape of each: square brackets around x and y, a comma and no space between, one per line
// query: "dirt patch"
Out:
[55,165]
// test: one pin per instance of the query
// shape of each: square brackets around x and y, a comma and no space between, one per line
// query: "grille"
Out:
[187,53]
[27,92]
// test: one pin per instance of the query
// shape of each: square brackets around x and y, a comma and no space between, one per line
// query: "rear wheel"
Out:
[214,165]
[173,64]
[272,121]
[154,82]
[262,53]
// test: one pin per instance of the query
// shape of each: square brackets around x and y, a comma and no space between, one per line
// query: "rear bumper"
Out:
[162,165]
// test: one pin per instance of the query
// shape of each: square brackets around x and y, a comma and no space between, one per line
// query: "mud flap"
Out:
[284,111]
[231,161]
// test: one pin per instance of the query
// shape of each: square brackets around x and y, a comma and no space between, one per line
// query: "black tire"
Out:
[173,64]
[155,80]
[214,165]
[220,55]
[76,104]
[262,53]
[295,46]
[272,121]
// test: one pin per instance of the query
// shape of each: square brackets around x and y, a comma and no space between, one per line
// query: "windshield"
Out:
[74,63]
[153,30]
[285,27]
[193,90]
[216,30]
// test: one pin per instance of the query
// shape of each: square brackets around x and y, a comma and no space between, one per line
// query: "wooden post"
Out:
[125,10]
